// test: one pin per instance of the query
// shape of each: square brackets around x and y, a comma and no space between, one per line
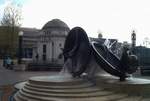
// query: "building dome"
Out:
[55,23]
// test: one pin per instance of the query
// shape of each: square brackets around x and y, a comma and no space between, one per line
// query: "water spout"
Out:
[66,70]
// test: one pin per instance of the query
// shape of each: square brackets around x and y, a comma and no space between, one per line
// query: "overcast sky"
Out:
[113,18]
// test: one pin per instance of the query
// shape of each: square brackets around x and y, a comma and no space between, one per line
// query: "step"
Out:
[112,97]
[61,99]
[19,85]
[37,98]
[145,99]
[129,86]
[23,98]
[82,95]
[56,80]
[66,91]
[131,98]
[99,98]
[16,97]
[115,97]
[108,97]
[83,85]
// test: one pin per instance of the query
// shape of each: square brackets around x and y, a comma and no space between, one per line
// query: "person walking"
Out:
[37,57]
[8,63]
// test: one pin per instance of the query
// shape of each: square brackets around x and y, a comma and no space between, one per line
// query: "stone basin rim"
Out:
[129,81]
[54,79]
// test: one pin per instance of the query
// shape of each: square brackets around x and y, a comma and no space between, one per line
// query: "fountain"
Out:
[80,79]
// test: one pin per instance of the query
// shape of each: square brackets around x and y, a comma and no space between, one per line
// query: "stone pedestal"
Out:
[55,88]
[66,88]
[132,85]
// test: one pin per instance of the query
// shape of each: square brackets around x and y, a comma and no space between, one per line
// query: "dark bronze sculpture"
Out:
[79,50]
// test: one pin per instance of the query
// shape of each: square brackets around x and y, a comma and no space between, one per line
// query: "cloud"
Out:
[2,6]
[5,3]
[115,18]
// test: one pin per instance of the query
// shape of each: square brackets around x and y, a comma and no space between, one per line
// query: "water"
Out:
[66,70]
[118,48]
[92,66]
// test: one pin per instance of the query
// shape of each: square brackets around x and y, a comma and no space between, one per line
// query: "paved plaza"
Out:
[8,77]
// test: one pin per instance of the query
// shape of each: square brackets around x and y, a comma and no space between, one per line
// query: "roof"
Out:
[55,23]
[29,31]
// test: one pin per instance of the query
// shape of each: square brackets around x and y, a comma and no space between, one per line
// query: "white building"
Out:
[46,45]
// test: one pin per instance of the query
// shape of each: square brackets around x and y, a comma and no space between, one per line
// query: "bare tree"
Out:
[11,16]
[10,22]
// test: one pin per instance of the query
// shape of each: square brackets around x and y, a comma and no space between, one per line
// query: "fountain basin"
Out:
[56,88]
[131,86]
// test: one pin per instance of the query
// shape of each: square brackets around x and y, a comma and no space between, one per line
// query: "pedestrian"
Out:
[8,63]
[37,57]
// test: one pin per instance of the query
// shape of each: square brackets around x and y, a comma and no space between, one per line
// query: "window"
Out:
[60,45]
[44,48]
[52,43]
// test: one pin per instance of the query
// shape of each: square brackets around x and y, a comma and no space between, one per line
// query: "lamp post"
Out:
[20,47]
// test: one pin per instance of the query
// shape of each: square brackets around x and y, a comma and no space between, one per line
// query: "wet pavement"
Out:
[8,77]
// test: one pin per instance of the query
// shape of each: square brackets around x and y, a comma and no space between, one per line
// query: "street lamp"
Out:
[20,47]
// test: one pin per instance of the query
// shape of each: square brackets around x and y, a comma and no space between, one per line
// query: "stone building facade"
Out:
[29,42]
[45,45]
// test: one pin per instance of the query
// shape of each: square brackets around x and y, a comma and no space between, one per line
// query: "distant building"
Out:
[143,54]
[29,42]
[46,44]
[133,39]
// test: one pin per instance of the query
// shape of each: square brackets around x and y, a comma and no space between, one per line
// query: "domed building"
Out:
[51,40]
[45,45]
